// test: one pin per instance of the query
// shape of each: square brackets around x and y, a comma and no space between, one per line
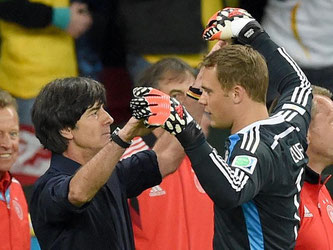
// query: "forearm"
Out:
[169,153]
[25,13]
[94,174]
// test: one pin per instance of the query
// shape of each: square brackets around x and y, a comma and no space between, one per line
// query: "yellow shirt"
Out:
[30,58]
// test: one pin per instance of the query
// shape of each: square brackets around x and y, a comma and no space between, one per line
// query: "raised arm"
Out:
[233,182]
[285,75]
[88,180]
[289,80]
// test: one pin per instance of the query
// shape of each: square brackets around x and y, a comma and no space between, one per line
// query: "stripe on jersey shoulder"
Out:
[251,139]
[273,120]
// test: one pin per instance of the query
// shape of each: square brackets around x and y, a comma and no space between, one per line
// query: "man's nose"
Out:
[5,140]
[108,119]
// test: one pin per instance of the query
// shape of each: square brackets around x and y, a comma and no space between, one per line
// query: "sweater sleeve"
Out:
[25,13]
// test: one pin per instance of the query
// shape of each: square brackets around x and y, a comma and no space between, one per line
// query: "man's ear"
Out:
[67,133]
[308,136]
[238,93]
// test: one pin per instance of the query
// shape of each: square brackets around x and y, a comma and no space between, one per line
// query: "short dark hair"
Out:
[60,104]
[7,100]
[156,72]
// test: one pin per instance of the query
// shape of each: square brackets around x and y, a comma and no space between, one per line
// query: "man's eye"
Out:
[14,134]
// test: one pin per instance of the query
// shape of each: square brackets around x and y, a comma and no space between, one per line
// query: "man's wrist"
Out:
[61,17]
[118,140]
[191,137]
[249,32]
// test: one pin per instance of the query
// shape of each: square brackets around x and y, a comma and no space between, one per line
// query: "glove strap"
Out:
[115,137]
[249,32]
[194,93]
[191,137]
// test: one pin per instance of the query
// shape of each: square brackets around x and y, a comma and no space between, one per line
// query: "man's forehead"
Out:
[96,105]
[8,115]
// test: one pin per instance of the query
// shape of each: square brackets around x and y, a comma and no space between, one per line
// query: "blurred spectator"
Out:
[14,225]
[37,46]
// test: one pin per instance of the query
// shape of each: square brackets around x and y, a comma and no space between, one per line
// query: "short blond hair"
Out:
[316,90]
[239,64]
[7,100]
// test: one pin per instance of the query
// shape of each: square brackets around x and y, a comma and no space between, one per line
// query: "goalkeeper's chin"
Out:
[219,125]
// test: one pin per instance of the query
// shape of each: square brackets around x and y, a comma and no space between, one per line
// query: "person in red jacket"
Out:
[14,225]
[316,206]
[176,214]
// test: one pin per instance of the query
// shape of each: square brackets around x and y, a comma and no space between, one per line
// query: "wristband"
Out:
[115,137]
[194,93]
[249,32]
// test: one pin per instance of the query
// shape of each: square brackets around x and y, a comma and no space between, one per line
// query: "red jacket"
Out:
[177,214]
[316,212]
[14,226]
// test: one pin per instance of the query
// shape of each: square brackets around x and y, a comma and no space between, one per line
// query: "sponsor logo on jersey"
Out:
[156,191]
[307,212]
[245,162]
[329,209]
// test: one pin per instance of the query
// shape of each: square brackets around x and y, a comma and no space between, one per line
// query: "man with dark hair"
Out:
[81,201]
[180,197]
[14,225]
[255,186]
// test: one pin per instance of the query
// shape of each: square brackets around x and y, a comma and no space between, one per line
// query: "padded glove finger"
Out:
[151,105]
[226,24]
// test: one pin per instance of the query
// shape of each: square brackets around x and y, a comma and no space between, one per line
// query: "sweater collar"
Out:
[313,177]
[64,164]
[5,181]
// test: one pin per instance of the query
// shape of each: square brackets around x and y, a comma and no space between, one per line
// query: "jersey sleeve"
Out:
[288,79]
[231,183]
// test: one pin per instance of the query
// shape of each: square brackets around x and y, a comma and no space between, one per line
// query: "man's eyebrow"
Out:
[92,109]
[176,91]
[205,89]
